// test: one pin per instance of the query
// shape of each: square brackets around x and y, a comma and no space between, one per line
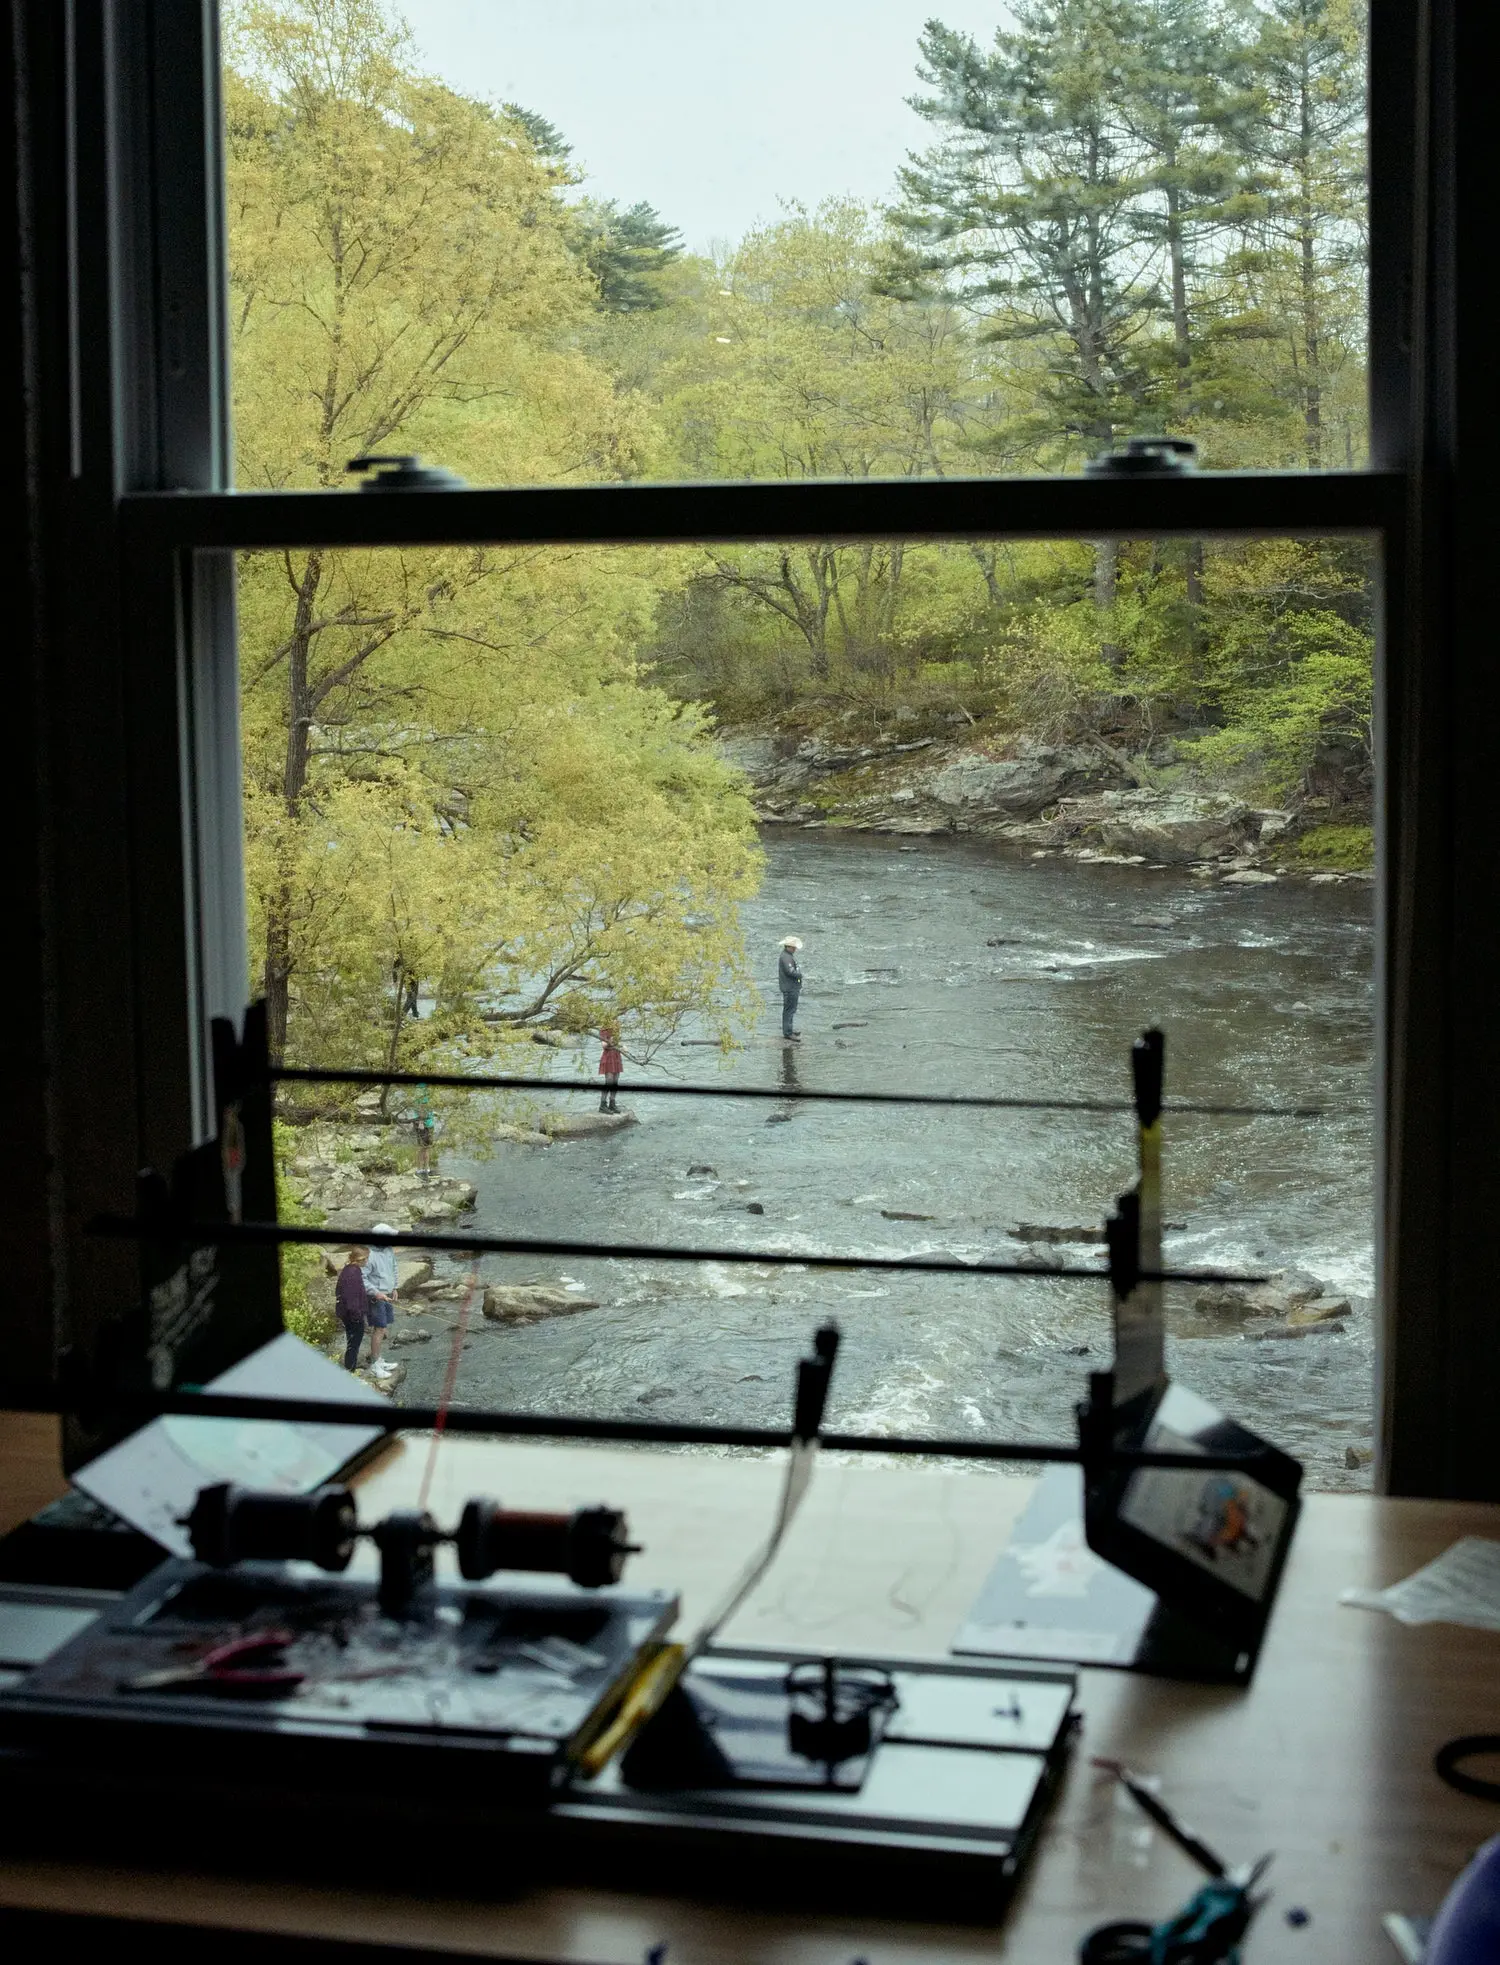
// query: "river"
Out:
[941,965]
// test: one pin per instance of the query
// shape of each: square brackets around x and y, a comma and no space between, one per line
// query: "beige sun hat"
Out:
[791,941]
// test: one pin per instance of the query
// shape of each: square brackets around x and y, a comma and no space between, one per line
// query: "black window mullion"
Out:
[1193,505]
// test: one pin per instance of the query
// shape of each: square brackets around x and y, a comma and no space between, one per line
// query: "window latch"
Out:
[404,474]
[1142,456]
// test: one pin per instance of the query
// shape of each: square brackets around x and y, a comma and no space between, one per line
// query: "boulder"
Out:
[756,756]
[1326,1310]
[818,755]
[1289,1297]
[582,1125]
[412,1271]
[1019,787]
[522,1135]
[1326,1315]
[1272,825]
[528,1303]
[354,1219]
[402,1186]
[1173,828]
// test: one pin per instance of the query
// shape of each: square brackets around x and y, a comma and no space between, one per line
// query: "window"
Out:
[505,840]
[178,526]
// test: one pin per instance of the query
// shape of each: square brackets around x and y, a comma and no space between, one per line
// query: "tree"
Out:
[627,251]
[404,268]
[805,369]
[1305,255]
[1187,95]
[1033,205]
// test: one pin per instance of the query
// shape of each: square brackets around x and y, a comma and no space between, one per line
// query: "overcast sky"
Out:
[711,110]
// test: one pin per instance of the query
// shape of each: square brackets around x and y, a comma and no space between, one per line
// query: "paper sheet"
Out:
[1461,1587]
[152,1479]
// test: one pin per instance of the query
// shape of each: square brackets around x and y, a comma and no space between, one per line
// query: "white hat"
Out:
[790,941]
[382,1228]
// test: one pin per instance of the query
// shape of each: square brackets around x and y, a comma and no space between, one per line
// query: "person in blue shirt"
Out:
[789,982]
[380,1293]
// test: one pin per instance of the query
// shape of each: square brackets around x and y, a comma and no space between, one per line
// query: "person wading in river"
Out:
[789,982]
[611,1064]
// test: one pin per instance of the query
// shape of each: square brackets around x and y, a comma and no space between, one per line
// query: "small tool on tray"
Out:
[251,1667]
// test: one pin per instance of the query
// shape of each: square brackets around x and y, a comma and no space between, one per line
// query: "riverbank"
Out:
[1084,801]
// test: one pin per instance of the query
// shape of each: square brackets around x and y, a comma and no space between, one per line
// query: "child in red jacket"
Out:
[611,1064]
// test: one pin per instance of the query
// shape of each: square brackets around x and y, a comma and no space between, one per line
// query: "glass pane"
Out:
[591,242]
[508,809]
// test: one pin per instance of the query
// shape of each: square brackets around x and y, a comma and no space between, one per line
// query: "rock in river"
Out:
[581,1125]
[528,1303]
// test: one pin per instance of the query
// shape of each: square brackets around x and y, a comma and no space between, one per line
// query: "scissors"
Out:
[249,1667]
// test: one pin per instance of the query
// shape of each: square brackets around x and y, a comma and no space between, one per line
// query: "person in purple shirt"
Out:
[351,1304]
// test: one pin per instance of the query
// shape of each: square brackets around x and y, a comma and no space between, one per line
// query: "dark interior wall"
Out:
[90,716]
[1441,1374]
[24,1149]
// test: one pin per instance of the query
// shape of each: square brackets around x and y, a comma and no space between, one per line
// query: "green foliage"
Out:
[1156,207]
[1349,848]
[1313,680]
[461,797]
[306,1309]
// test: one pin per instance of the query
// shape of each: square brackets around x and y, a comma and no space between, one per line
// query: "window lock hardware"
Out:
[390,473]
[1145,456]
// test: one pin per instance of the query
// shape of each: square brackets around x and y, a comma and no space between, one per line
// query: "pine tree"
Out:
[627,252]
[1188,98]
[545,138]
[1034,203]
[1304,255]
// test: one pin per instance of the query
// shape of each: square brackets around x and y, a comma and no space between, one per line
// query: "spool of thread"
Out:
[238,1524]
[589,1546]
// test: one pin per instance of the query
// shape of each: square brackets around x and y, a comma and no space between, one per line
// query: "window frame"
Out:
[129,338]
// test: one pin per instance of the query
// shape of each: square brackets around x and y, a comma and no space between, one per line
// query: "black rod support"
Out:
[233,1234]
[1147,1062]
[553,1426]
[463,1081]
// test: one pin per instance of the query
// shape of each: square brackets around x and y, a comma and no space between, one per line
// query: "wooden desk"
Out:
[1326,1759]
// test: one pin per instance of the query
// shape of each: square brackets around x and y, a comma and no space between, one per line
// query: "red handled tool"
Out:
[250,1667]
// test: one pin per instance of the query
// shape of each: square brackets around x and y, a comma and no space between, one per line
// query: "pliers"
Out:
[247,1667]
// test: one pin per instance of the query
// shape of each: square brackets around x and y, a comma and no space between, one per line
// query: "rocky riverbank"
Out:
[1084,801]
[347,1177]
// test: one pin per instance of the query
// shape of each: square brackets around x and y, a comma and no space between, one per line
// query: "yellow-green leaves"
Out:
[466,813]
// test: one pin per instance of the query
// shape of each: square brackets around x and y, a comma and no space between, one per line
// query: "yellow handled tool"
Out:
[643,1696]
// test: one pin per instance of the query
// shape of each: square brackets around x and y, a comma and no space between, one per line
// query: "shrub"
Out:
[1338,848]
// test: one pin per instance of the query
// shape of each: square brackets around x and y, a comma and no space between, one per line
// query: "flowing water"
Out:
[942,966]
